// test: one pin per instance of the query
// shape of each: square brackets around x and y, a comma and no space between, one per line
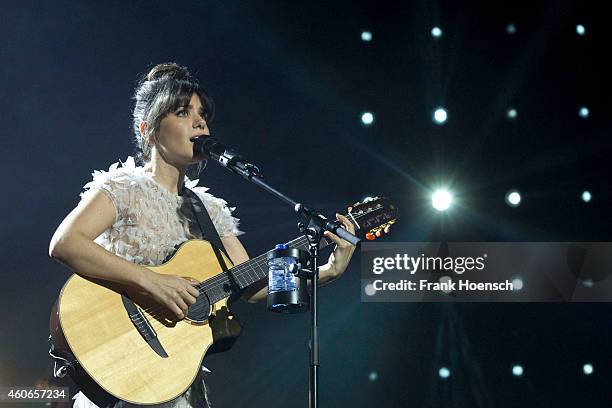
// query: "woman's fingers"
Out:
[181,303]
[173,292]
[188,298]
[176,310]
[348,225]
[184,297]
[335,238]
[193,291]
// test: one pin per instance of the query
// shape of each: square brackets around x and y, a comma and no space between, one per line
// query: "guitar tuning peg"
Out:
[370,236]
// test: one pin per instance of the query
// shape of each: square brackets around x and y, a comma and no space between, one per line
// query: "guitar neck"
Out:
[372,215]
[240,276]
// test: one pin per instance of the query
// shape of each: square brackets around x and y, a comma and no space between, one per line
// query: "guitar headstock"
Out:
[372,217]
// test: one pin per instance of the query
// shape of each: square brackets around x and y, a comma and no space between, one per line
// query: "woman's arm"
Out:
[73,244]
[258,291]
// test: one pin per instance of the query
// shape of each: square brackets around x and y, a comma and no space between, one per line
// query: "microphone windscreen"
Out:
[203,146]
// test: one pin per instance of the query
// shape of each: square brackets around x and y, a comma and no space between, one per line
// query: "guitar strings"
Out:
[220,280]
[242,270]
[212,282]
[260,260]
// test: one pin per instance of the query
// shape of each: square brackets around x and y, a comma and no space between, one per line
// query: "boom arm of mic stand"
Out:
[251,172]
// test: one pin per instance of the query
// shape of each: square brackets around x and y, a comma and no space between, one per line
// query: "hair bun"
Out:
[168,70]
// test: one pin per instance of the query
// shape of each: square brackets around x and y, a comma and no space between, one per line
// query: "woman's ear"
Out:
[144,126]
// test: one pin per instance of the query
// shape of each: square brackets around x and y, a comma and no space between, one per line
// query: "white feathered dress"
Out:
[148,226]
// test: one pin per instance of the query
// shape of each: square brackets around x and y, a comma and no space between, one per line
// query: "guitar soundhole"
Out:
[200,310]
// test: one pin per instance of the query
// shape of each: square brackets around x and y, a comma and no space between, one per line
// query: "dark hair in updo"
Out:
[164,89]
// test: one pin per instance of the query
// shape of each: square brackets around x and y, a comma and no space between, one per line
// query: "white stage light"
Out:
[445,281]
[369,289]
[367,118]
[366,36]
[373,376]
[517,283]
[513,198]
[586,196]
[587,369]
[517,370]
[511,29]
[440,116]
[512,113]
[441,200]
[583,112]
[580,30]
[444,372]
[436,32]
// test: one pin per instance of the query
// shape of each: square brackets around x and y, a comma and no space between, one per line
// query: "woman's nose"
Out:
[200,122]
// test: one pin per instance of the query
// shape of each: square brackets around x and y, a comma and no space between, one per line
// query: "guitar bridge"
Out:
[143,326]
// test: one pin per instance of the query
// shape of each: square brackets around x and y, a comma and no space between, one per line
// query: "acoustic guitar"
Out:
[135,351]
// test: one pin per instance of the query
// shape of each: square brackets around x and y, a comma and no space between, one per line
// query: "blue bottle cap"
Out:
[281,246]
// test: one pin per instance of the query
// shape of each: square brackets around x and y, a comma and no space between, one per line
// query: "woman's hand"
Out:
[171,291]
[340,258]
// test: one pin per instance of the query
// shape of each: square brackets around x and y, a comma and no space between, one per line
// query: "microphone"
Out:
[210,147]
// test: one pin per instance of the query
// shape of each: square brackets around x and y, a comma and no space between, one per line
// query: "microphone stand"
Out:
[313,226]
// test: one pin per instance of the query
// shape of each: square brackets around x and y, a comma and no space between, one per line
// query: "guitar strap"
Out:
[210,234]
[207,228]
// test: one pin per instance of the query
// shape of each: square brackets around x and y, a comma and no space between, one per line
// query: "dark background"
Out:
[290,80]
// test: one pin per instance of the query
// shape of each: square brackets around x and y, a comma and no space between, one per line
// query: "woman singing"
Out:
[130,217]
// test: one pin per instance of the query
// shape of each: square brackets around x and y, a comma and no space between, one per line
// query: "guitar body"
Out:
[130,349]
[98,330]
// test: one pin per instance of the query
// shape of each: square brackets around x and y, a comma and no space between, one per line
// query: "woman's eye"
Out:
[181,112]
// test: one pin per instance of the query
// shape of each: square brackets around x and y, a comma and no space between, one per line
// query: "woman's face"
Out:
[177,129]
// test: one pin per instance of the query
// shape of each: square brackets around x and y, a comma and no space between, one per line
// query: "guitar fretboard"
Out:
[239,277]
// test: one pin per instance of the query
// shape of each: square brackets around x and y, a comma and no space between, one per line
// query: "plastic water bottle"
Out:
[280,279]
